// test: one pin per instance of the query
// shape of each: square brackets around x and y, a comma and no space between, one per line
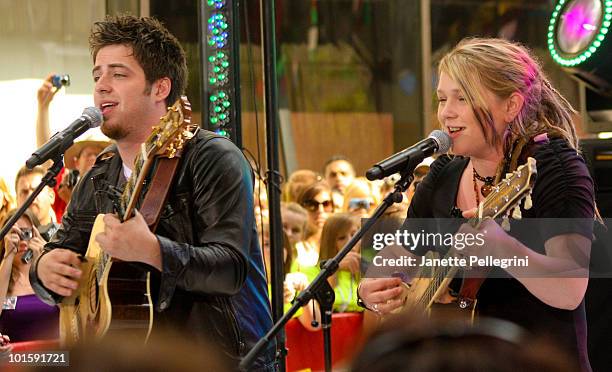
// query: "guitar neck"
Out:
[134,187]
[506,195]
[439,281]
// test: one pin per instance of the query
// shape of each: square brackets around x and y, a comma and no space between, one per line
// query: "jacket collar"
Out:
[105,170]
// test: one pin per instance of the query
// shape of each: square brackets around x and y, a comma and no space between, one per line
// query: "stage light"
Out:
[220,55]
[578,40]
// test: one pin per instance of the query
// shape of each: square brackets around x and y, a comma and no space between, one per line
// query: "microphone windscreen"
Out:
[443,140]
[94,115]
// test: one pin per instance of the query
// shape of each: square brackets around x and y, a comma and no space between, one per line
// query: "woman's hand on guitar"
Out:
[59,271]
[382,295]
[497,243]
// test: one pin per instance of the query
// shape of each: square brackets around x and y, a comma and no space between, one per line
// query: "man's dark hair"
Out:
[335,158]
[157,51]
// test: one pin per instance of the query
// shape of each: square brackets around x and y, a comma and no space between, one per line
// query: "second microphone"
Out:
[437,142]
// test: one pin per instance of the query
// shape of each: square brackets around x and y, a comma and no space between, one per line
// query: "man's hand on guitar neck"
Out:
[59,271]
[130,241]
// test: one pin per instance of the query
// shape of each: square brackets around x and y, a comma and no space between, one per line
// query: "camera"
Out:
[26,234]
[59,81]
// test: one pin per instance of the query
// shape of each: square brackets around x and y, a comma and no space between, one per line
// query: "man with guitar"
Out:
[206,270]
[500,109]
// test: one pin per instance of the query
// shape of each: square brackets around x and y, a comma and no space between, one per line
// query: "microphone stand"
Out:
[319,288]
[47,180]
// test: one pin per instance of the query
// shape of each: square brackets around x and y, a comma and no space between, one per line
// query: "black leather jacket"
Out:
[212,285]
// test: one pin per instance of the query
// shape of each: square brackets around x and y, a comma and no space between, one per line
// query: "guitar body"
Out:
[420,301]
[428,293]
[112,298]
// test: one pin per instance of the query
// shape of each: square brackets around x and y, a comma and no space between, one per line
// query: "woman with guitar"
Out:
[499,108]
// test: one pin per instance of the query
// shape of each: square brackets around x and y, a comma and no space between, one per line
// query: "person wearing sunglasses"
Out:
[23,316]
[360,198]
[317,201]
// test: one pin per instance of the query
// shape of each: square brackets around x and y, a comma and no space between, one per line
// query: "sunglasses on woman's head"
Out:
[313,205]
[359,203]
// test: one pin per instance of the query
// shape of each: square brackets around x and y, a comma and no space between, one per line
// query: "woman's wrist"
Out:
[360,302]
[9,253]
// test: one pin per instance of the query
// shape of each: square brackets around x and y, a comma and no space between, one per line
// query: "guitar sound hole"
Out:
[93,295]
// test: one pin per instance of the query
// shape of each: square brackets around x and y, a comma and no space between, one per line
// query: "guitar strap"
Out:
[471,286]
[156,196]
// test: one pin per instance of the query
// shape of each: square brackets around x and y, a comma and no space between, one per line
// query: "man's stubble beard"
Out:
[119,131]
[116,132]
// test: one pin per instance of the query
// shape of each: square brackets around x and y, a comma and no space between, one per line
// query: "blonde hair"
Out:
[7,201]
[360,188]
[505,67]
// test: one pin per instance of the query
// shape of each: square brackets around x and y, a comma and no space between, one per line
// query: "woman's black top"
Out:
[563,189]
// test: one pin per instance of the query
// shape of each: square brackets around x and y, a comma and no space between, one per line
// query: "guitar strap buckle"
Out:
[465,302]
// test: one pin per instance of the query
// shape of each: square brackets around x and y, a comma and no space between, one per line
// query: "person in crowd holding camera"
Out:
[23,316]
[79,158]
[361,198]
[45,94]
[25,182]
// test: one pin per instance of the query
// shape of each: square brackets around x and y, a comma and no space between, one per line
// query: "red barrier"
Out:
[19,347]
[305,348]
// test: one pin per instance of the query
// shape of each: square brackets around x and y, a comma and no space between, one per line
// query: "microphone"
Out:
[61,141]
[437,142]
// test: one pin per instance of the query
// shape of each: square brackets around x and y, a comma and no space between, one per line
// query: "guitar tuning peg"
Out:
[516,213]
[505,223]
[508,175]
[528,202]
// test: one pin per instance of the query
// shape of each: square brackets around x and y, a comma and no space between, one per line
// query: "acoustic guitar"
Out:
[430,289]
[115,296]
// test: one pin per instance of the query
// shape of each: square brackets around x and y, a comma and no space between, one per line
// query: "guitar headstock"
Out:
[510,192]
[166,140]
[174,129]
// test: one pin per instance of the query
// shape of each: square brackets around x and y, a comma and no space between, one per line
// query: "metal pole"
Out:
[271,117]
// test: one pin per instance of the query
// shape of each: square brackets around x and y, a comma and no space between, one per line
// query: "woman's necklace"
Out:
[486,188]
